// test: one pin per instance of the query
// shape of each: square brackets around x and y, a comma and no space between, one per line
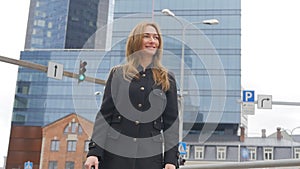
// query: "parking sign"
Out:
[248,95]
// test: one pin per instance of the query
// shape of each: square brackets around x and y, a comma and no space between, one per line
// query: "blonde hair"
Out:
[134,45]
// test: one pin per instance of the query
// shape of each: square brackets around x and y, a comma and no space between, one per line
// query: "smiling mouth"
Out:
[150,47]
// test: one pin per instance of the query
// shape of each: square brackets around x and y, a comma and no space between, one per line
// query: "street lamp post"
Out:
[181,94]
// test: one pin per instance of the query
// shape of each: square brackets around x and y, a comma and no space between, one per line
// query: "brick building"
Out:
[65,143]
[24,145]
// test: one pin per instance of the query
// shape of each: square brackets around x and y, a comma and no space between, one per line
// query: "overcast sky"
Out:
[270,61]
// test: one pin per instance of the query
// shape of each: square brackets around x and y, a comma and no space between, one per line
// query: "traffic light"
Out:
[82,69]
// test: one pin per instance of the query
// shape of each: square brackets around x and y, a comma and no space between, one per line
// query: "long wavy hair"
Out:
[133,52]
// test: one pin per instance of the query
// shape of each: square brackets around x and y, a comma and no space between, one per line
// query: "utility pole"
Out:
[44,68]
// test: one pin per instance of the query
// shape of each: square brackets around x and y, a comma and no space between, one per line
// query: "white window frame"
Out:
[52,165]
[74,126]
[252,153]
[71,145]
[268,153]
[187,155]
[70,165]
[297,153]
[54,145]
[199,152]
[221,153]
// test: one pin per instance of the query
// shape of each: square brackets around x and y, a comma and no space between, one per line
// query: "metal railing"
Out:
[250,164]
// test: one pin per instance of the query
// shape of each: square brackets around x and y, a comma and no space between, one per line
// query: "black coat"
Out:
[129,133]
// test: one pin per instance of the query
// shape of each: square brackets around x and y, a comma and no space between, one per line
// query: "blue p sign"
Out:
[248,96]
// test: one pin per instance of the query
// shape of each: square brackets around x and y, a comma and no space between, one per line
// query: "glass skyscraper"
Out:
[95,31]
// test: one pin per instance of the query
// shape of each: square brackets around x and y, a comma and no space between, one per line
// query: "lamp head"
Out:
[167,12]
[210,22]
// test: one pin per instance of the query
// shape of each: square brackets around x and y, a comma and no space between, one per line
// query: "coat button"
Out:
[143,75]
[137,122]
[140,105]
[134,139]
[142,88]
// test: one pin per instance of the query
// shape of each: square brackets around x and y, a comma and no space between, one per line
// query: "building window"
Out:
[69,165]
[54,145]
[268,153]
[73,127]
[221,153]
[23,89]
[187,156]
[80,130]
[52,165]
[86,145]
[37,41]
[252,153]
[199,152]
[41,23]
[72,145]
[19,118]
[297,153]
[66,130]
[49,34]
[50,25]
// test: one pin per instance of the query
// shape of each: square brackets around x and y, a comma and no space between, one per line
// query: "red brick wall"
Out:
[24,145]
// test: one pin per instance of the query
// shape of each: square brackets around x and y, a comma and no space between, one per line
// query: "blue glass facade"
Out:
[40,100]
[60,24]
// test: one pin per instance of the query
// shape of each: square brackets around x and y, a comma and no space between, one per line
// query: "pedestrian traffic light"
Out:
[82,69]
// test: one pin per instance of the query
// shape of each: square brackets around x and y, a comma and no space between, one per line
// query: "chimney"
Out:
[279,135]
[242,135]
[263,133]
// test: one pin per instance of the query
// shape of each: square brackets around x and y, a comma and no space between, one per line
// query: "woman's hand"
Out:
[91,161]
[170,166]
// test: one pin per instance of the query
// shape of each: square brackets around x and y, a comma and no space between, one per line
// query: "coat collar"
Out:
[149,67]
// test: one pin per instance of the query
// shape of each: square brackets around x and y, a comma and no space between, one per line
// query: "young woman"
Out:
[137,125]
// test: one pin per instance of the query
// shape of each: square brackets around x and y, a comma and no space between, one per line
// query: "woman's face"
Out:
[150,40]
